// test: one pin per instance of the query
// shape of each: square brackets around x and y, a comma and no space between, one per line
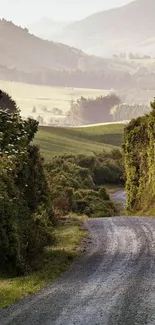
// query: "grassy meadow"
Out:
[56,141]
[27,96]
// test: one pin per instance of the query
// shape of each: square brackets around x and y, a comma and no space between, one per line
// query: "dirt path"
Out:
[112,284]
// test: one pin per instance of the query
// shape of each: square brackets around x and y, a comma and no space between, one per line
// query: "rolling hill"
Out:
[130,28]
[56,141]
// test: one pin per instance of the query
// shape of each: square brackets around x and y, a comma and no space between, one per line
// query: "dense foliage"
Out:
[6,102]
[33,194]
[26,215]
[77,182]
[139,139]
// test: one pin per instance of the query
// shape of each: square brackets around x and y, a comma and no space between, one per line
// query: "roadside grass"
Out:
[57,258]
[57,141]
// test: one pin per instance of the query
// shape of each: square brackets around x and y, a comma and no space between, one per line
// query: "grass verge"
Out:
[68,237]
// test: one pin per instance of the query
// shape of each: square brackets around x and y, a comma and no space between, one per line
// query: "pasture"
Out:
[56,141]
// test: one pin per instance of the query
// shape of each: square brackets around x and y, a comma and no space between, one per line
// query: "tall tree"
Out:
[7,103]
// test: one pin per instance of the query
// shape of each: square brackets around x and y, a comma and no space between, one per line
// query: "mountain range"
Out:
[25,52]
[130,28]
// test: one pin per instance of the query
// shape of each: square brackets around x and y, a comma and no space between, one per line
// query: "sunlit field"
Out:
[45,98]
[57,141]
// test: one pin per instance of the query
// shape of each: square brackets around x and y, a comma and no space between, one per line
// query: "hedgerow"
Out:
[139,158]
[26,216]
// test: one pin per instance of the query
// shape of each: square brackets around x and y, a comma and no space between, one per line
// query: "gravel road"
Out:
[119,196]
[112,283]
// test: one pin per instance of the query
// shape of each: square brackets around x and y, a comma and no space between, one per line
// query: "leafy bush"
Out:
[92,203]
[139,154]
[77,182]
[26,216]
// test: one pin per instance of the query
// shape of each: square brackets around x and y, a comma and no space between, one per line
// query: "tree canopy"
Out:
[94,110]
[7,103]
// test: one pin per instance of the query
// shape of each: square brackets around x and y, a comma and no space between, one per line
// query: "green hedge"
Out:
[139,157]
[26,215]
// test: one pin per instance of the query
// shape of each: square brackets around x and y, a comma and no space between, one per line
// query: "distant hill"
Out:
[27,58]
[130,28]
[25,52]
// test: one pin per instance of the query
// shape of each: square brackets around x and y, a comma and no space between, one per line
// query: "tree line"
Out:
[108,108]
[126,112]
[82,79]
[92,110]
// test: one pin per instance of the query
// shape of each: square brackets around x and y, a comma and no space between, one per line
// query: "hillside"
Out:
[130,28]
[25,52]
[56,141]
[29,59]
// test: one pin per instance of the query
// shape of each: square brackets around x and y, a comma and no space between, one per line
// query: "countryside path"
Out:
[113,283]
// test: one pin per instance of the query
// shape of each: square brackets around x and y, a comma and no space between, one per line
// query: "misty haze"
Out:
[77,162]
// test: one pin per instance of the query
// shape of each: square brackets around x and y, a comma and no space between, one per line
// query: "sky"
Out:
[26,11]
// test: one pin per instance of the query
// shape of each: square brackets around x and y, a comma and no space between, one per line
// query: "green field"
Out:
[27,96]
[56,141]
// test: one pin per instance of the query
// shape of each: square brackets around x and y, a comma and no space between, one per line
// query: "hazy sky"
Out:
[25,11]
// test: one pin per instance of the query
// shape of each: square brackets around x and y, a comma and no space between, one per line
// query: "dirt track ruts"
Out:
[113,283]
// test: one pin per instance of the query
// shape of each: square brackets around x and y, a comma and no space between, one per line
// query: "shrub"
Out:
[91,203]
[26,215]
[77,182]
[139,154]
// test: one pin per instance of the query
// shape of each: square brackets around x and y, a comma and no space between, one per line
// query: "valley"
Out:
[77,162]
